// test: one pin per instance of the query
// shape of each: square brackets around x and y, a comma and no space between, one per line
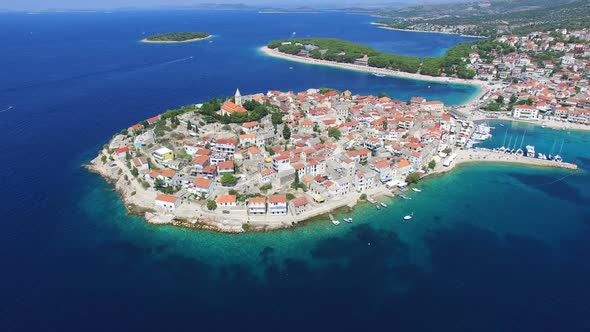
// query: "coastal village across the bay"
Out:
[269,160]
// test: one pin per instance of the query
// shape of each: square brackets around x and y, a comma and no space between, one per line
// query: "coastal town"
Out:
[541,76]
[270,160]
[308,154]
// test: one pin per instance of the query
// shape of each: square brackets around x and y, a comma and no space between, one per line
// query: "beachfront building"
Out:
[257,205]
[226,200]
[277,205]
[299,205]
[525,112]
[167,202]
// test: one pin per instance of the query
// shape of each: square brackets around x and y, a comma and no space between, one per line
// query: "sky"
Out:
[113,4]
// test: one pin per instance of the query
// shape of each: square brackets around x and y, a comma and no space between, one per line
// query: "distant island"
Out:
[176,37]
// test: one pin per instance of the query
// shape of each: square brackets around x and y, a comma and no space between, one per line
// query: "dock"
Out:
[487,155]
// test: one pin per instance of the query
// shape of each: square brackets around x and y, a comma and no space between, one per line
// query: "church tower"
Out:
[238,97]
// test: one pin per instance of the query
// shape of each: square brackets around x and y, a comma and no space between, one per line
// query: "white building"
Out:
[163,154]
[257,205]
[525,112]
[226,200]
[167,202]
[277,205]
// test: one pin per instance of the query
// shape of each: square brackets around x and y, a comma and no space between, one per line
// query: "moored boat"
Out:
[417,190]
[348,220]
[383,204]
[530,151]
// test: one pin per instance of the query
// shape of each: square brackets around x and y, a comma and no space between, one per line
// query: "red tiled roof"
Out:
[226,199]
[230,107]
[300,201]
[278,199]
[166,198]
[202,182]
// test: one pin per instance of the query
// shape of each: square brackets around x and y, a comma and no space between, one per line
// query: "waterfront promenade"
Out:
[491,156]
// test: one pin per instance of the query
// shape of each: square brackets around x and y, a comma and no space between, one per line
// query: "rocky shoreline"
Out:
[139,201]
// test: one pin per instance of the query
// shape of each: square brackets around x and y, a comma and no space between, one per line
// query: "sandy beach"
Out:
[145,40]
[483,88]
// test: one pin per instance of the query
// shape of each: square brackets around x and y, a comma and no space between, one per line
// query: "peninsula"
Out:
[177,37]
[271,160]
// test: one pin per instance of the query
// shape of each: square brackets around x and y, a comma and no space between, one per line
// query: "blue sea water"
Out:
[491,247]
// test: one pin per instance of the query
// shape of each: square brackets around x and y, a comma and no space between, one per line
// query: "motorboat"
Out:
[378,207]
[530,151]
[336,222]
[348,220]
[405,197]
[378,75]
[558,158]
[383,204]
[409,216]
[542,156]
[417,190]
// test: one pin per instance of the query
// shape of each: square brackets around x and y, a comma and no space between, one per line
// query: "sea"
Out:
[491,247]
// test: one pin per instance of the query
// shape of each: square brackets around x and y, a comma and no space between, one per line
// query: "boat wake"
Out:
[177,60]
[7,109]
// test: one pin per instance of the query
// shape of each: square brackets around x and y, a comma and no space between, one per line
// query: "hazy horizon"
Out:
[115,4]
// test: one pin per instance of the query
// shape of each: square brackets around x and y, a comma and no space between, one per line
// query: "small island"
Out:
[177,37]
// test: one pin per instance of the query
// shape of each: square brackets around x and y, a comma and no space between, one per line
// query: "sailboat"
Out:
[557,157]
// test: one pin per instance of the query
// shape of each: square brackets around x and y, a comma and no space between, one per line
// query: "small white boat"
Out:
[408,217]
[336,222]
[378,207]
[405,197]
[348,220]
[417,190]
[383,204]
[378,74]
[501,125]
[290,67]
[530,151]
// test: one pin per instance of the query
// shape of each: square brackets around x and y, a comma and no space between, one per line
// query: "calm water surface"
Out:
[491,247]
